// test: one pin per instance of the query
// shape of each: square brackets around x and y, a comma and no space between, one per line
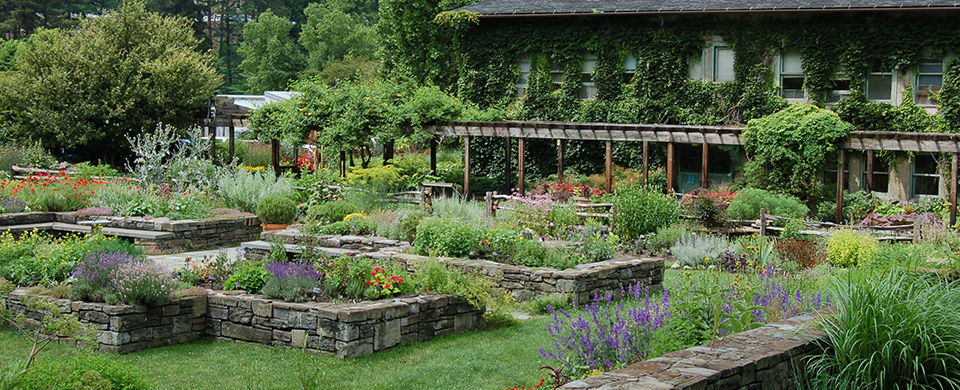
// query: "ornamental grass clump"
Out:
[93,277]
[291,281]
[891,329]
[143,283]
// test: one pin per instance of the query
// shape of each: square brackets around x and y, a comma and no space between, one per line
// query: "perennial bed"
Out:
[765,357]
[347,330]
[151,233]
[606,278]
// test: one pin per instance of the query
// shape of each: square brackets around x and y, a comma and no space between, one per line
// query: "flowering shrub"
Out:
[36,257]
[206,270]
[143,283]
[608,335]
[54,192]
[710,208]
[385,284]
[291,281]
[358,278]
[93,277]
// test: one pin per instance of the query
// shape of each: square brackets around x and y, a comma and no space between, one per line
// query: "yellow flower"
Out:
[354,215]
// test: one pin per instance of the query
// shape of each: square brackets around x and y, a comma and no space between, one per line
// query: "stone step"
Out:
[297,249]
[74,228]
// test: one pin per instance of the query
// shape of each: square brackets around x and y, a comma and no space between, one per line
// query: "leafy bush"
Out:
[290,281]
[352,226]
[806,253]
[36,257]
[250,276]
[429,234]
[748,202]
[93,277]
[276,208]
[597,246]
[788,149]
[531,254]
[849,248]
[334,211]
[82,372]
[695,250]
[432,276]
[158,201]
[459,240]
[639,210]
[143,283]
[562,217]
[889,330]
[243,189]
[407,223]
[87,170]
[665,237]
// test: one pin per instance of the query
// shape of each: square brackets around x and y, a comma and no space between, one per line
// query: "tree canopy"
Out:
[118,74]
[271,58]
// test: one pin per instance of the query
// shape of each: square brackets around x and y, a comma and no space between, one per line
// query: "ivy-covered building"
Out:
[881,65]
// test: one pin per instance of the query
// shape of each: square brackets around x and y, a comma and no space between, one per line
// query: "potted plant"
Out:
[276,212]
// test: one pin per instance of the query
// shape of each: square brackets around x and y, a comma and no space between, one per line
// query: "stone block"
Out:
[386,334]
[262,309]
[245,333]
[357,348]
[171,310]
[127,322]
[240,315]
[218,312]
[298,338]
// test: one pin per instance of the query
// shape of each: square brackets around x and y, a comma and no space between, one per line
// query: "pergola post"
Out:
[521,184]
[433,155]
[388,151]
[343,164]
[953,190]
[507,188]
[869,183]
[608,167]
[560,144]
[670,168]
[646,161]
[212,133]
[466,167]
[840,163]
[704,173]
[275,156]
[232,145]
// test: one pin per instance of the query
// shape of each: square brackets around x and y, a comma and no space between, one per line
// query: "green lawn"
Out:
[490,359]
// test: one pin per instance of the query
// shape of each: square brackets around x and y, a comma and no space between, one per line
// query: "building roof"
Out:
[573,7]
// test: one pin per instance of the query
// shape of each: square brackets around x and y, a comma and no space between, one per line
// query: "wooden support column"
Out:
[521,183]
[953,190]
[388,149]
[433,155]
[670,172]
[507,188]
[466,167]
[560,145]
[840,164]
[275,156]
[212,133]
[343,164]
[869,183]
[646,161]
[608,166]
[704,172]
[233,141]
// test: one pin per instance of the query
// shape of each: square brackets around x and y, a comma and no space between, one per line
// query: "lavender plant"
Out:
[93,277]
[143,283]
[291,281]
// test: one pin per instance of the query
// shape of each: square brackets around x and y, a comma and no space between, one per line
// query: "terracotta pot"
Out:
[267,227]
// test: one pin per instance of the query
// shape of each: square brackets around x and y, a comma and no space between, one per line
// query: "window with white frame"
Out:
[925,178]
[556,75]
[524,64]
[841,87]
[629,68]
[791,76]
[696,67]
[723,59]
[880,85]
[929,79]
[588,90]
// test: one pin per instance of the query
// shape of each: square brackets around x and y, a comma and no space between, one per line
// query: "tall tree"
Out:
[82,91]
[271,58]
[332,34]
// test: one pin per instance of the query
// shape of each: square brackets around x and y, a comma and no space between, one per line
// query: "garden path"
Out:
[174,260]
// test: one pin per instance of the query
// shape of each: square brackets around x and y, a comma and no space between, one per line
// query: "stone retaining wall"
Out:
[187,233]
[125,328]
[347,330]
[762,358]
[355,243]
[606,278]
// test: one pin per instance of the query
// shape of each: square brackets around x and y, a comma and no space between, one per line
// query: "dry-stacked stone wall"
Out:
[353,243]
[126,328]
[346,330]
[762,358]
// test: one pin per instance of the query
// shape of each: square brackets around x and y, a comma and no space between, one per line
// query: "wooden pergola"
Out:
[869,141]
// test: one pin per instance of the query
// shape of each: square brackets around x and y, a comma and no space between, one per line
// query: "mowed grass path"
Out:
[488,359]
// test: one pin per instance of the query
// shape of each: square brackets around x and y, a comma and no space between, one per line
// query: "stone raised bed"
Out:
[152,233]
[350,243]
[762,358]
[126,328]
[606,278]
[346,330]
